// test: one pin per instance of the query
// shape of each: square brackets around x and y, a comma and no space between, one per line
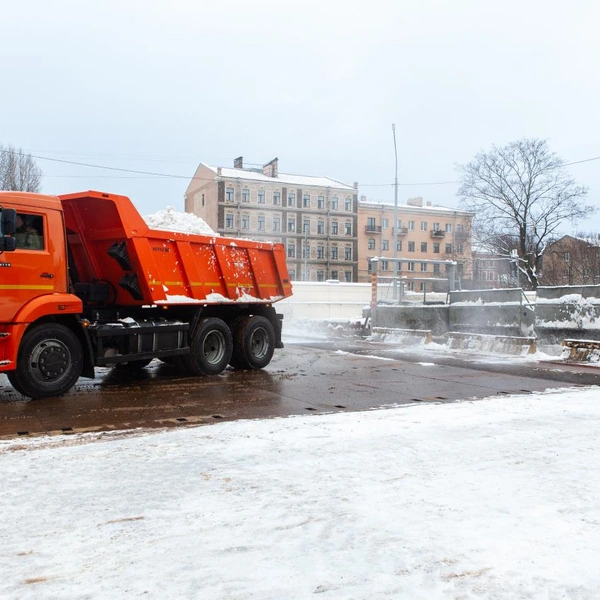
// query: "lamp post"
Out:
[395,227]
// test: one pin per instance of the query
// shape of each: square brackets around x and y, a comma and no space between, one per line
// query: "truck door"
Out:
[30,270]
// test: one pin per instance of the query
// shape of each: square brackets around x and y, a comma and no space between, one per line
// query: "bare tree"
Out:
[18,171]
[520,194]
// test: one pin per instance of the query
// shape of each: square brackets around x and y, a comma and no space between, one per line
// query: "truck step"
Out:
[581,350]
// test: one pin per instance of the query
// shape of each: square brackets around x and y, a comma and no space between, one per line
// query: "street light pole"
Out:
[395,226]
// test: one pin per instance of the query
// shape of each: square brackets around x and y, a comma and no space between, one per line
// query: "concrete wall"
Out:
[569,311]
[433,318]
[498,312]
[324,300]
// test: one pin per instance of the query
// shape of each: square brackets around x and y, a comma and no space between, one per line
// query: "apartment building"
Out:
[314,217]
[422,233]
[571,260]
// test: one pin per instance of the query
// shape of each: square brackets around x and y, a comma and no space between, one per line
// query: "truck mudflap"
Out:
[126,340]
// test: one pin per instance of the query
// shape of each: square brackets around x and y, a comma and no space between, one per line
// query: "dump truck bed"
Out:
[110,242]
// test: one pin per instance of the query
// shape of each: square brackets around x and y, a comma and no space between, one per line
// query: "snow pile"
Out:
[490,499]
[172,220]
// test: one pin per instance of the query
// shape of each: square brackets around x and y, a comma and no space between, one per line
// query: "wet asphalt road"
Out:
[306,377]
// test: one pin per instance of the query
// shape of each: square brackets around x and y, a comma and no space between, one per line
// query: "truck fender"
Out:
[50,305]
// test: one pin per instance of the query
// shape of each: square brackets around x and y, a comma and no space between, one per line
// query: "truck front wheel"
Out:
[49,362]
[210,348]
[253,343]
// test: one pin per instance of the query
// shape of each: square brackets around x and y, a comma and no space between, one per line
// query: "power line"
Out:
[187,177]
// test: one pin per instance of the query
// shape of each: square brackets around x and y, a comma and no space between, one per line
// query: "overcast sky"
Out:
[160,86]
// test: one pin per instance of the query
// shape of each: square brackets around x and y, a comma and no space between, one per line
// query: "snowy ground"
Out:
[498,498]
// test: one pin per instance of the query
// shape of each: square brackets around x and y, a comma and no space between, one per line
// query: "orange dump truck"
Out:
[84,282]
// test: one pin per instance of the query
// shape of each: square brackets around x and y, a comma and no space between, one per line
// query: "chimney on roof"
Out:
[218,170]
[238,163]
[418,201]
[271,169]
[355,185]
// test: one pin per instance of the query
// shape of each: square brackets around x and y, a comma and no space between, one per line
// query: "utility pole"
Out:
[395,226]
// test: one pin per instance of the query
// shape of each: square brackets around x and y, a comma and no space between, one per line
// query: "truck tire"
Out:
[49,362]
[253,343]
[210,348]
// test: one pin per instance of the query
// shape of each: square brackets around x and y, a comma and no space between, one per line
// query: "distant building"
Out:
[314,217]
[423,232]
[571,261]
[492,271]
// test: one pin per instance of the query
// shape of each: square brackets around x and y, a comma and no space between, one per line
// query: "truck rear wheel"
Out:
[210,348]
[253,343]
[49,362]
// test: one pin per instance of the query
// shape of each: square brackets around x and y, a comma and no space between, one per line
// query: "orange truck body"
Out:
[100,263]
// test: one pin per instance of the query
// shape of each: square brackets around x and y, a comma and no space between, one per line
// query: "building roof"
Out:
[412,208]
[282,178]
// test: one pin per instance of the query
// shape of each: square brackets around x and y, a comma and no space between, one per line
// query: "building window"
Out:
[245,195]
[291,250]
[411,225]
[306,226]
[334,203]
[459,248]
[334,274]
[276,198]
[385,245]
[334,254]
[384,265]
[436,227]
[411,266]
[411,246]
[276,224]
[448,248]
[448,227]
[202,199]
[306,200]
[291,200]
[399,246]
[245,221]
[423,267]
[348,228]
[291,226]
[229,221]
[320,252]
[348,253]
[320,275]
[321,202]
[348,204]
[321,227]
[334,228]
[436,248]
[371,224]
[261,223]
[371,244]
[436,269]
[566,257]
[347,276]
[423,246]
[384,223]
[423,225]
[305,251]
[292,274]
[229,194]
[261,196]
[460,228]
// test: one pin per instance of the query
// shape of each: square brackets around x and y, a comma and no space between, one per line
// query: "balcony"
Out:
[372,228]
[437,233]
[402,231]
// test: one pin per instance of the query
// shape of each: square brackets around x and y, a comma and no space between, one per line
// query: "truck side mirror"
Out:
[8,221]
[7,243]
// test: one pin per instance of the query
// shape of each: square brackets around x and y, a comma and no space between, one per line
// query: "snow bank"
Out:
[490,499]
